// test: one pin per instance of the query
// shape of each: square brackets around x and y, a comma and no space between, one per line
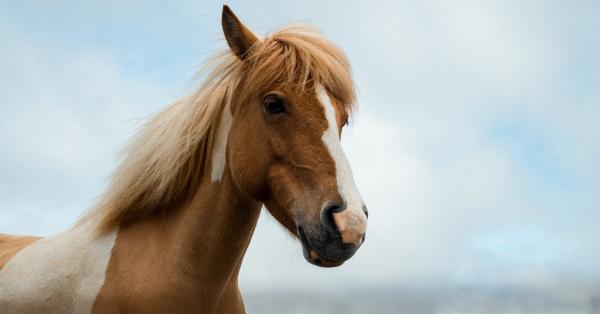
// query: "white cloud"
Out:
[448,200]
[63,115]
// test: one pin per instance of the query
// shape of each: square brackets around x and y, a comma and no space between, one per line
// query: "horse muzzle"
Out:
[324,248]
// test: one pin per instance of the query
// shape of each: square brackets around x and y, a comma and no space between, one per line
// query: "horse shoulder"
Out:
[60,273]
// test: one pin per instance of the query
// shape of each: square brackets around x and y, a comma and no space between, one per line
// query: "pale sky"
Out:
[475,145]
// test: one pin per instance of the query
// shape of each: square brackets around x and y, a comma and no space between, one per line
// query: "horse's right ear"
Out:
[239,38]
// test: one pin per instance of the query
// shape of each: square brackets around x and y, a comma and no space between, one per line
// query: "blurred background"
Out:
[475,145]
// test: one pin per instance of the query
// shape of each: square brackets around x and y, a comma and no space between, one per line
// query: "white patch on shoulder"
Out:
[345,180]
[219,158]
[59,274]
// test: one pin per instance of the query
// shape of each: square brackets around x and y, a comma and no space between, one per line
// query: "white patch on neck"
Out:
[345,180]
[219,158]
[59,274]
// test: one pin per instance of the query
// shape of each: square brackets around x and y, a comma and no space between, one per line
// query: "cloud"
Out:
[64,113]
[475,145]
[461,148]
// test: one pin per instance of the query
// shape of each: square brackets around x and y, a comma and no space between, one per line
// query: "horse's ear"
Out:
[239,38]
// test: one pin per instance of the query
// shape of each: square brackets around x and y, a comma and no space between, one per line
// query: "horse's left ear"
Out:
[238,36]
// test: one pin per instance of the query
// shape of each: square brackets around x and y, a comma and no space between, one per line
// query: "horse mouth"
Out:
[311,255]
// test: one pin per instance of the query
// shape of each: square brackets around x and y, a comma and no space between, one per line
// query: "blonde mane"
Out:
[167,158]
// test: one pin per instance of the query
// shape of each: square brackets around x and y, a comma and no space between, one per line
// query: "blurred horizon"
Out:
[418,300]
[475,144]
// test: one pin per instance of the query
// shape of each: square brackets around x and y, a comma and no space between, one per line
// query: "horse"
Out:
[170,232]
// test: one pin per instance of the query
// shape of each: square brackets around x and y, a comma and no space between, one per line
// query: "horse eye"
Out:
[274,105]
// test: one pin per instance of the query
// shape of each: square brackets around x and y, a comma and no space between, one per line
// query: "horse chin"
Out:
[312,256]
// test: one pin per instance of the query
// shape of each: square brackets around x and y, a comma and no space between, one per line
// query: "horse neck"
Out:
[199,246]
[214,230]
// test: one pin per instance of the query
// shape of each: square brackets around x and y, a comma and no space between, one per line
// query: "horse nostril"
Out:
[327,216]
[365,210]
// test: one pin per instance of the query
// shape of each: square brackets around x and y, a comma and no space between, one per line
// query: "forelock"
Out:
[299,56]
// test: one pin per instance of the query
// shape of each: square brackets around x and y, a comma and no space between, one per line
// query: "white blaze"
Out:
[59,274]
[218,158]
[355,219]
